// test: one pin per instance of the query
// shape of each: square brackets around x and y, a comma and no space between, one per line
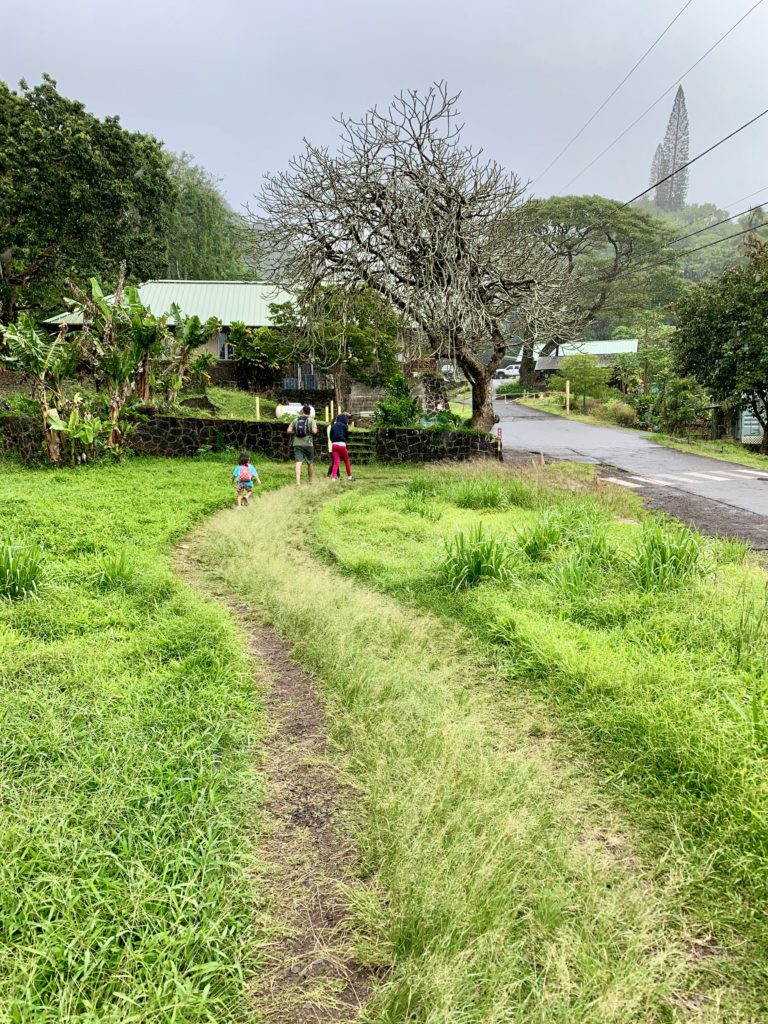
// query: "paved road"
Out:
[646,466]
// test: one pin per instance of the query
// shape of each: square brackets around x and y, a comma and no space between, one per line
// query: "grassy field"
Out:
[128,793]
[645,641]
[484,705]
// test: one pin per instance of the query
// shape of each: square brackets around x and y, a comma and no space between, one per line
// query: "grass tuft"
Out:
[21,569]
[666,556]
[473,557]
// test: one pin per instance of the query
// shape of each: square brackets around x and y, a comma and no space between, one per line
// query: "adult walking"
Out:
[339,435]
[302,429]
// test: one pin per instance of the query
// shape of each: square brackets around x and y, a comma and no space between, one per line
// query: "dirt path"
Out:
[309,973]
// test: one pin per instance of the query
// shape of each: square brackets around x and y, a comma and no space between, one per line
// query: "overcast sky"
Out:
[239,83]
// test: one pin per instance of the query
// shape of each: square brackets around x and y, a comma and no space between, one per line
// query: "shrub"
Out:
[510,387]
[21,569]
[620,412]
[398,408]
[470,558]
[666,556]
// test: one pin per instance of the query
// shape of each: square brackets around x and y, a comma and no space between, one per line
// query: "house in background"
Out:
[605,352]
[230,302]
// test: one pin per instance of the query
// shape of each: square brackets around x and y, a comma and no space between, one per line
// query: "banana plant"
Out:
[84,428]
[46,360]
[190,334]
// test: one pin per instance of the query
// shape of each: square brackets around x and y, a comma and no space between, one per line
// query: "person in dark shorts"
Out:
[302,429]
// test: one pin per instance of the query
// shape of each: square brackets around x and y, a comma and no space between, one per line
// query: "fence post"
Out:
[258,408]
[567,397]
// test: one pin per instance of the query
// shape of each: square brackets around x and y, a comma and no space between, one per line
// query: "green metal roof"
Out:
[230,301]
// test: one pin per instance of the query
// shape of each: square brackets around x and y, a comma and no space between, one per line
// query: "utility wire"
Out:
[693,161]
[648,249]
[687,252]
[608,99]
[660,98]
[742,198]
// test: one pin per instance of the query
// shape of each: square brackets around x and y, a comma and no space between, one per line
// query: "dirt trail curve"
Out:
[309,973]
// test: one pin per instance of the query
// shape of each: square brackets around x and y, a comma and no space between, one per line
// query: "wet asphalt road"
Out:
[645,466]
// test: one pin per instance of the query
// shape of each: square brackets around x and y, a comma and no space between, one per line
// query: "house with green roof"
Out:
[230,302]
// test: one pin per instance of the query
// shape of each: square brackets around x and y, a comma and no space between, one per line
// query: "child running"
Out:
[243,477]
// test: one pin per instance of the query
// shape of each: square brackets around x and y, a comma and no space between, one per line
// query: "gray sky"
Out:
[238,84]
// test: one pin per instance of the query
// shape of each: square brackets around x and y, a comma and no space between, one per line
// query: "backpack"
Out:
[302,426]
[245,476]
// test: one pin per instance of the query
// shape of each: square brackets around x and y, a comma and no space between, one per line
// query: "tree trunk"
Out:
[52,439]
[115,405]
[764,443]
[527,365]
[143,377]
[483,416]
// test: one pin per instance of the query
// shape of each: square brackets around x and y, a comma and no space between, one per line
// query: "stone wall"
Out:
[22,436]
[395,444]
[179,436]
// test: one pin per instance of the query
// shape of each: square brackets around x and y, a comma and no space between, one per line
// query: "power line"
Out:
[661,97]
[697,157]
[687,252]
[742,198]
[608,99]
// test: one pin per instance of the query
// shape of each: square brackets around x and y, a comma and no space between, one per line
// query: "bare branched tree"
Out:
[404,209]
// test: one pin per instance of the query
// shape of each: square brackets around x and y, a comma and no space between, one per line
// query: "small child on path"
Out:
[243,477]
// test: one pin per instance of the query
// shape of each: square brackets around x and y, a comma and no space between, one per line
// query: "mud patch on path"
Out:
[308,972]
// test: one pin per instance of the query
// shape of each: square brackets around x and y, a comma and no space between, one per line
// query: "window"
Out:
[226,351]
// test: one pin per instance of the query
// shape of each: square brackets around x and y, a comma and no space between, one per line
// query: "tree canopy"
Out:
[207,240]
[721,334]
[78,195]
[607,250]
[405,210]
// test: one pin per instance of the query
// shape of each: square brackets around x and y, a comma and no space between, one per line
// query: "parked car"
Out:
[507,372]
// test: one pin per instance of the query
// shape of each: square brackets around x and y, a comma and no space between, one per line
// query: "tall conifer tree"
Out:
[672,194]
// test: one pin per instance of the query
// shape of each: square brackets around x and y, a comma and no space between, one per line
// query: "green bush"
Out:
[398,408]
[510,387]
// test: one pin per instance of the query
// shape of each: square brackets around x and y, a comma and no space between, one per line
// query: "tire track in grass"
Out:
[500,888]
[309,971]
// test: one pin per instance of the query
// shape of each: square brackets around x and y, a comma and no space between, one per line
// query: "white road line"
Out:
[652,480]
[707,476]
[621,483]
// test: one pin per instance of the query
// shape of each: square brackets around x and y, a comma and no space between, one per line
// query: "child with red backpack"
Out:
[243,477]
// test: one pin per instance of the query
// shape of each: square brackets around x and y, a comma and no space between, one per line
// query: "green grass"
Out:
[501,886]
[128,797]
[233,405]
[728,451]
[647,643]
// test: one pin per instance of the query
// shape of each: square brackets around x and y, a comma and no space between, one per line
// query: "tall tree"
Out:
[721,338]
[658,168]
[405,210]
[206,239]
[671,194]
[77,196]
[603,248]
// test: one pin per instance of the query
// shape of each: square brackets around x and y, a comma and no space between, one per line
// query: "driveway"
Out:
[646,466]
